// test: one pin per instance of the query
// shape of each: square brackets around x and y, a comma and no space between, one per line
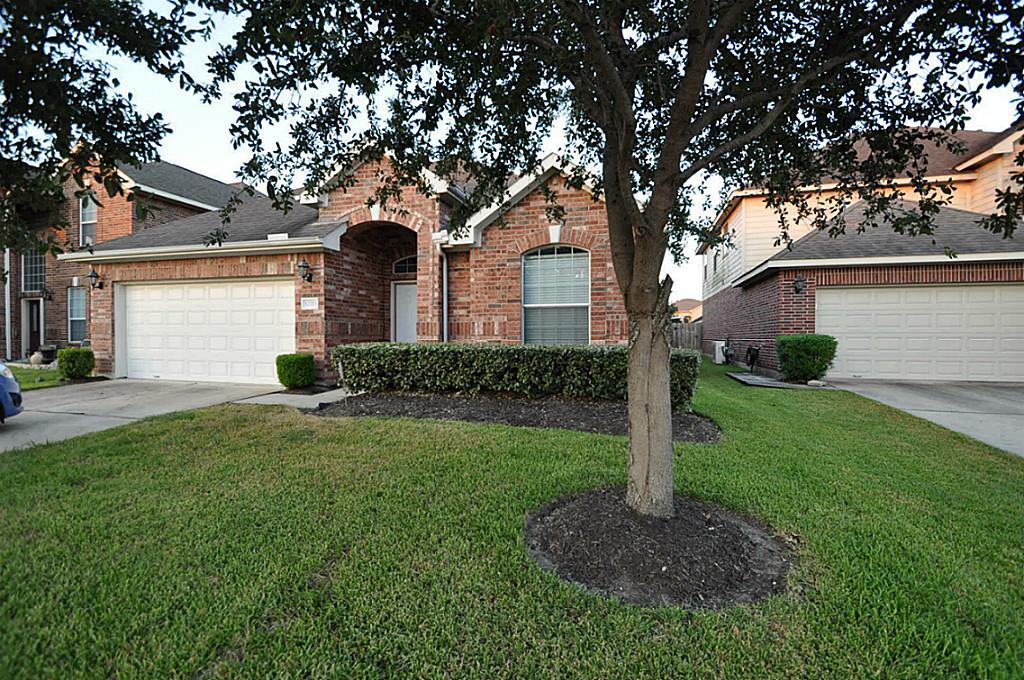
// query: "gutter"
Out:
[444,296]
[7,303]
[263,247]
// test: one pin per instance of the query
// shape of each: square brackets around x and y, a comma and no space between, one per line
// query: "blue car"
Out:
[10,393]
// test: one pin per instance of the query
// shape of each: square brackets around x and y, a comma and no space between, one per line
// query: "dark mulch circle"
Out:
[706,557]
[604,417]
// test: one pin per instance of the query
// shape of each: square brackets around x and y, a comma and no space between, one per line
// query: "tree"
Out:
[61,114]
[657,94]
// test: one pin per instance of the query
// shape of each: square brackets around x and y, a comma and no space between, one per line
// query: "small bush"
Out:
[577,371]
[296,370]
[75,363]
[805,357]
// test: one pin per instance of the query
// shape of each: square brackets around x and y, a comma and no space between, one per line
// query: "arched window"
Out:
[556,296]
[405,265]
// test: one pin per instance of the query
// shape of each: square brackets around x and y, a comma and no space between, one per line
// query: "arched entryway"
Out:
[376,300]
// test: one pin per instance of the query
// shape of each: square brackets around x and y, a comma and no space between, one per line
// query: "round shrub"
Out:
[296,370]
[805,357]
[75,363]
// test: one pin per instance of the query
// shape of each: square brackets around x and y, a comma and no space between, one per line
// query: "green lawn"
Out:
[34,379]
[253,541]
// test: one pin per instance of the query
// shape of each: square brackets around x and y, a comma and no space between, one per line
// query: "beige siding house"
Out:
[750,298]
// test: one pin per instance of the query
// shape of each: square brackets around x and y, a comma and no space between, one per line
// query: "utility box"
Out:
[718,352]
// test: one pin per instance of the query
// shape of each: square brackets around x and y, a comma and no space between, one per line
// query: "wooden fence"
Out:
[687,335]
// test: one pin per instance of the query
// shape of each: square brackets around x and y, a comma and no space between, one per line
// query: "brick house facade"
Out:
[116,216]
[358,256]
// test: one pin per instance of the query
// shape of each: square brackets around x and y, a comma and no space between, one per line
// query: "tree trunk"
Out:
[651,480]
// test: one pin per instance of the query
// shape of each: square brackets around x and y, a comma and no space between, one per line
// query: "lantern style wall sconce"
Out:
[94,280]
[304,271]
[799,285]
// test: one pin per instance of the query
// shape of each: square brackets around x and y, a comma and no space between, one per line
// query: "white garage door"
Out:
[211,332]
[925,332]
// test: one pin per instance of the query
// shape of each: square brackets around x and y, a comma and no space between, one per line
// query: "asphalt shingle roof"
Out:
[183,182]
[253,220]
[954,228]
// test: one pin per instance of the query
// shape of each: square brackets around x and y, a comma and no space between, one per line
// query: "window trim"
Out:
[85,318]
[414,258]
[24,271]
[589,304]
[82,222]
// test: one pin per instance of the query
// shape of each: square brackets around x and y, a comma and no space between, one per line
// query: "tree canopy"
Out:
[61,112]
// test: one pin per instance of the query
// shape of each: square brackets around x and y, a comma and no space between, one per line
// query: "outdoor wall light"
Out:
[799,284]
[304,271]
[94,280]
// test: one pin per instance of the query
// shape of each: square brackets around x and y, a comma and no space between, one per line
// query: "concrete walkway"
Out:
[297,400]
[989,412]
[57,413]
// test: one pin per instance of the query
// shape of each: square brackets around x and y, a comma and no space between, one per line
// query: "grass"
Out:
[35,378]
[255,541]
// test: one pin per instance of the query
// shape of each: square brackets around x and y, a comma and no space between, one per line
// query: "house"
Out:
[337,270]
[45,300]
[898,305]
[687,310]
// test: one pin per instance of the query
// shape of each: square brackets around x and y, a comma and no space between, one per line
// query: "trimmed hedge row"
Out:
[577,371]
[75,363]
[805,356]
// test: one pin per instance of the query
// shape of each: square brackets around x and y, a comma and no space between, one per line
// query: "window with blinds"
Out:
[556,296]
[33,272]
[76,314]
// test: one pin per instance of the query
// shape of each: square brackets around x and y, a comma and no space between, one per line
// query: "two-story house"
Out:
[45,300]
[899,306]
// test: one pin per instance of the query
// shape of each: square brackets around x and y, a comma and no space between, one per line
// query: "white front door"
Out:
[403,312]
[223,331]
[949,332]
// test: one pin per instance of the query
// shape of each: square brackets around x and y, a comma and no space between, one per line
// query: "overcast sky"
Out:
[200,139]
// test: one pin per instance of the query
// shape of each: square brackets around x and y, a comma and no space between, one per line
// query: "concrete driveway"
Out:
[56,413]
[990,412]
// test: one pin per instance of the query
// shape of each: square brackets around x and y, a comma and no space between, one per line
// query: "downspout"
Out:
[444,296]
[7,303]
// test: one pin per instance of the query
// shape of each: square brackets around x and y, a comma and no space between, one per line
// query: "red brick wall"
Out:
[746,317]
[485,300]
[413,210]
[115,217]
[769,308]
[162,211]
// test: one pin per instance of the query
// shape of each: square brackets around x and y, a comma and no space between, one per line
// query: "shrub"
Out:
[577,371]
[805,357]
[75,363]
[296,370]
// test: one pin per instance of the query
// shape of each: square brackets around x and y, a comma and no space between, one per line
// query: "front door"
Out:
[403,313]
[34,318]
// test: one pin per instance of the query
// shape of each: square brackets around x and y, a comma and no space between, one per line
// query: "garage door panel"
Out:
[949,332]
[225,331]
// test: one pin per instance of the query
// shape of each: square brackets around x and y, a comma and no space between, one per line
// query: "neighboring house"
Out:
[46,301]
[687,310]
[899,307]
[339,271]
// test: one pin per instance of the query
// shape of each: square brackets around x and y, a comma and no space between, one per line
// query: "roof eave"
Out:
[769,266]
[261,247]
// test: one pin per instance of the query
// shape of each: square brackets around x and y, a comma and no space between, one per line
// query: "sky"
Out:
[200,139]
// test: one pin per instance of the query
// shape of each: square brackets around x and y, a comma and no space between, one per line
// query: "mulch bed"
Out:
[310,389]
[603,417]
[706,557]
